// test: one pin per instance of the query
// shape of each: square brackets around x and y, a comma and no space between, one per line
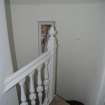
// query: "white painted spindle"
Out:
[46,82]
[52,61]
[23,96]
[32,95]
[39,88]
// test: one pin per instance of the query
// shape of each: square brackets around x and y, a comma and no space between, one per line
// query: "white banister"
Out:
[23,96]
[45,62]
[25,71]
[32,95]
[46,82]
[39,88]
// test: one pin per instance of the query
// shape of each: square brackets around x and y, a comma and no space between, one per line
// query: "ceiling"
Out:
[54,1]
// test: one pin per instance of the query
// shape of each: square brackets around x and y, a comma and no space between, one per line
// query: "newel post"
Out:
[52,41]
[52,62]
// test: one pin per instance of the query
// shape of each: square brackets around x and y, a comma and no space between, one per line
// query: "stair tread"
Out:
[58,100]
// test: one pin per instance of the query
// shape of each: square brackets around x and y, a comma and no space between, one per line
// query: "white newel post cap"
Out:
[52,31]
[52,40]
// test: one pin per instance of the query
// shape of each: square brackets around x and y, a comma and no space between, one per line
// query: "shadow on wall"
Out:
[10,34]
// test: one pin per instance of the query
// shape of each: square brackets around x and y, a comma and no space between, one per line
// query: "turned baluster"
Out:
[32,95]
[23,96]
[46,82]
[39,88]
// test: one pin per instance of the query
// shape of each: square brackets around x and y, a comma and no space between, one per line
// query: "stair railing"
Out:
[47,85]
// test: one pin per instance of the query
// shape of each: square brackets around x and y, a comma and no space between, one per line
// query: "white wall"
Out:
[80,37]
[9,98]
[101,95]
